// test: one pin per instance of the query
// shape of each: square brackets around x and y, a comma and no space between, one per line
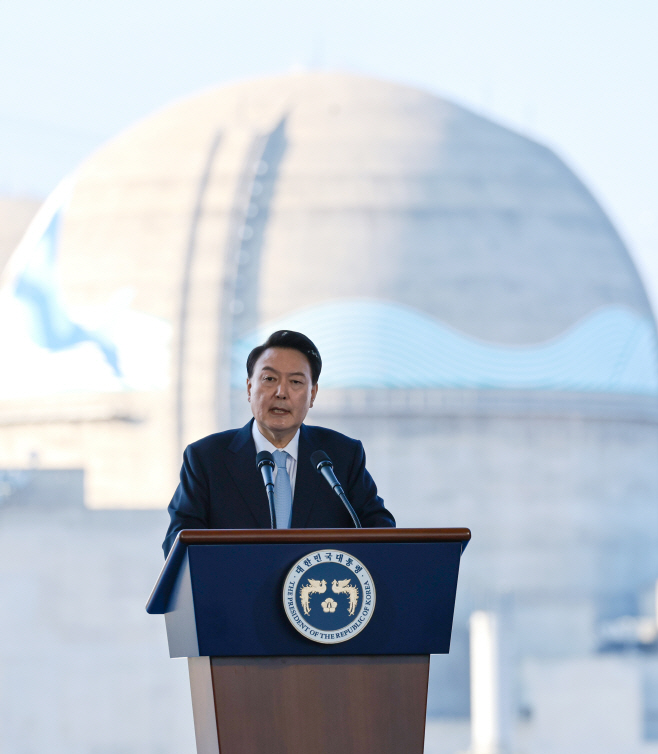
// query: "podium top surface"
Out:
[159,598]
[312,536]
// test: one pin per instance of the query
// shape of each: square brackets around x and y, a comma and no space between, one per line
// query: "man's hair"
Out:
[288,339]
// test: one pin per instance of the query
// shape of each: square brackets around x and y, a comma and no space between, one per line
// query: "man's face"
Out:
[281,392]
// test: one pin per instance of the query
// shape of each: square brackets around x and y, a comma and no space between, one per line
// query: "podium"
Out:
[309,639]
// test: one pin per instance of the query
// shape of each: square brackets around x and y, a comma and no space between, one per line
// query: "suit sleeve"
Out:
[188,508]
[362,493]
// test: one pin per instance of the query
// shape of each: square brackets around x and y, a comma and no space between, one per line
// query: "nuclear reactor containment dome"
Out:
[483,329]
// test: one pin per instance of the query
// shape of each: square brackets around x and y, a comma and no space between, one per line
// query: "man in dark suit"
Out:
[220,484]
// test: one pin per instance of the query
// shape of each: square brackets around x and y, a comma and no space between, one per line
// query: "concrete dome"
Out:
[236,208]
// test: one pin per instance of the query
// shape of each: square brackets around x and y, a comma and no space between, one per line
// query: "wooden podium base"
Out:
[295,705]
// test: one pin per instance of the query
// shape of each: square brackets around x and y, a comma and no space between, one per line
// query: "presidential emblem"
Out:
[329,596]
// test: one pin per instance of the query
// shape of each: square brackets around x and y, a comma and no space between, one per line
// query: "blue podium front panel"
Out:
[237,600]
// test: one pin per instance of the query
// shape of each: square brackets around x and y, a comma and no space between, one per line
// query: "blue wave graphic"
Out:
[36,287]
[379,344]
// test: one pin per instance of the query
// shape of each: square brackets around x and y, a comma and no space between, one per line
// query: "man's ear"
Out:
[314,392]
[248,389]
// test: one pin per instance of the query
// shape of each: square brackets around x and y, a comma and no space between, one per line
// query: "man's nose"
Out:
[281,390]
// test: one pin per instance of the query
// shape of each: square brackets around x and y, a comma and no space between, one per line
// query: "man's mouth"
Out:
[279,411]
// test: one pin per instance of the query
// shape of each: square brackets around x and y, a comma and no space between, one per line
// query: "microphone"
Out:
[324,466]
[265,463]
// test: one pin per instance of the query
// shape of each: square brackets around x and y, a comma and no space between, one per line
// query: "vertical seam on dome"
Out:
[190,249]
[249,216]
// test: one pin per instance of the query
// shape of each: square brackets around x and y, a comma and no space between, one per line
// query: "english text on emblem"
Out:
[329,596]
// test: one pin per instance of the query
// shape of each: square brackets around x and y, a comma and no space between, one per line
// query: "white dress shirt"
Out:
[262,443]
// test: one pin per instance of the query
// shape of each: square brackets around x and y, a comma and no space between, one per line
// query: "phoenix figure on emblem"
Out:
[314,586]
[344,587]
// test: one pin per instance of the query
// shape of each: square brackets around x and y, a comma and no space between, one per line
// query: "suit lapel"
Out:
[242,468]
[308,483]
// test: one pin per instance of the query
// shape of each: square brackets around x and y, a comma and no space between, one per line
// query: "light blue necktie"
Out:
[282,491]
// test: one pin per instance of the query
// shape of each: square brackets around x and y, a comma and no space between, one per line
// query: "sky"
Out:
[580,76]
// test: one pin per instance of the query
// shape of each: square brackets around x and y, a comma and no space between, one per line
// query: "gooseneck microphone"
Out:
[265,463]
[324,466]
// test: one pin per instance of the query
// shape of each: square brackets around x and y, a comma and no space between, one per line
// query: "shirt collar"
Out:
[262,443]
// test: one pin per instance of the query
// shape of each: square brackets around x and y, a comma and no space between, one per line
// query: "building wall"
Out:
[83,668]
[561,505]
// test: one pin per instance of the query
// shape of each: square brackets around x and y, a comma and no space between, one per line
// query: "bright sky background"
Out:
[578,75]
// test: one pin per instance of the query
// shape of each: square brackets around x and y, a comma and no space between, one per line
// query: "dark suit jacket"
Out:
[221,487]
